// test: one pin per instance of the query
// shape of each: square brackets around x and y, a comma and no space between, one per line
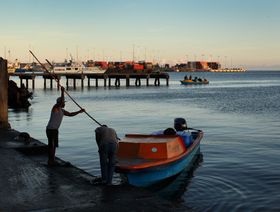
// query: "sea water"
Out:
[238,112]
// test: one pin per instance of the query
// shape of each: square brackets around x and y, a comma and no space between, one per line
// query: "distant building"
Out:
[203,65]
[214,65]
[198,66]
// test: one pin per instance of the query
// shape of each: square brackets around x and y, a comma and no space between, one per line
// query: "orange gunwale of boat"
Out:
[127,162]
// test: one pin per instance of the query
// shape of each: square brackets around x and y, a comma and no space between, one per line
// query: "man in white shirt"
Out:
[53,125]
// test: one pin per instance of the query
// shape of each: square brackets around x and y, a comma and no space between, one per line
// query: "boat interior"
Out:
[142,151]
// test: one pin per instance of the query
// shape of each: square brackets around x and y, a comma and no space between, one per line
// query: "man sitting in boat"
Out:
[180,126]
[167,131]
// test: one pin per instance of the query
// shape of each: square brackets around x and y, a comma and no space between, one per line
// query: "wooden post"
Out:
[74,83]
[45,83]
[127,80]
[82,82]
[4,124]
[58,83]
[67,85]
[26,82]
[117,82]
[138,81]
[33,82]
[157,81]
[51,83]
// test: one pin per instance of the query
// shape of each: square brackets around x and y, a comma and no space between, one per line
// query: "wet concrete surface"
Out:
[28,184]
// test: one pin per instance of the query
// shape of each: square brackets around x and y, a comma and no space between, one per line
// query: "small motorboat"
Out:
[145,160]
[192,82]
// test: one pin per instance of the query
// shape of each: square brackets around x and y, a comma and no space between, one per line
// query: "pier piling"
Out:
[74,77]
[4,94]
[51,78]
[27,77]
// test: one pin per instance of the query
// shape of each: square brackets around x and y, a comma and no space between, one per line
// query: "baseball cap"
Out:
[59,100]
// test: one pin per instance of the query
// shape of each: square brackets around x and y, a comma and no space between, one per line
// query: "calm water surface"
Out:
[239,113]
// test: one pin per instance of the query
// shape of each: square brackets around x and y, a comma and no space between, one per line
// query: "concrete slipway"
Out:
[28,184]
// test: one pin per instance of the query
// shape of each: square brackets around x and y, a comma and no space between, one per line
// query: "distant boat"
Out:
[192,82]
[145,160]
[74,67]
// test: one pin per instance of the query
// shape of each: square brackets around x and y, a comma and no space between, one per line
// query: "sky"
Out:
[239,33]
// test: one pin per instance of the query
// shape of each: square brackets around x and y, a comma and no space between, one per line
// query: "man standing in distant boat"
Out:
[107,141]
[56,117]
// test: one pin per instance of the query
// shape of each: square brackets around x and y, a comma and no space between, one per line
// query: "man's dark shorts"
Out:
[52,137]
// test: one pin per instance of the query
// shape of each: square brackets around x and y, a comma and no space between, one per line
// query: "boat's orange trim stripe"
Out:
[162,162]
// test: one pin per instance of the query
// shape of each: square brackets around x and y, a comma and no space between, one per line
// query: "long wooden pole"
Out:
[53,76]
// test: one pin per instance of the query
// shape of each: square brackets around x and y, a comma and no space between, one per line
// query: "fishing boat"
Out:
[73,67]
[192,82]
[146,160]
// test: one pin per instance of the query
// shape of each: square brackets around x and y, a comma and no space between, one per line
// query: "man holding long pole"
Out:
[56,117]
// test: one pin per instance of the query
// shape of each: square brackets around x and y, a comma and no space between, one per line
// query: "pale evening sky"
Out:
[236,32]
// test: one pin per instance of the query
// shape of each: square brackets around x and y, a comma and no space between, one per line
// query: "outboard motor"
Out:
[180,124]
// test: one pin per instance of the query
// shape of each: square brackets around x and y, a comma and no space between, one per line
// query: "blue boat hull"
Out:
[151,176]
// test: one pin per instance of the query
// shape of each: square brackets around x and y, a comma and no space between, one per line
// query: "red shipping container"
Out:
[138,67]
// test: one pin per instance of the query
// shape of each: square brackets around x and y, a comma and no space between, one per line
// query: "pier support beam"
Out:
[147,80]
[49,77]
[96,82]
[4,124]
[157,81]
[117,82]
[27,77]
[82,81]
[96,77]
[127,81]
[74,77]
[109,81]
[138,82]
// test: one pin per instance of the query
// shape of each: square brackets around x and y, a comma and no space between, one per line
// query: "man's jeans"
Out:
[107,155]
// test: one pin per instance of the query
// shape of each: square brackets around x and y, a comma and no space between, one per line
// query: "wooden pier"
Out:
[116,77]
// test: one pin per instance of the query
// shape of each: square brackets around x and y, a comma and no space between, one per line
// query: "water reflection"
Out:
[173,188]
[19,113]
